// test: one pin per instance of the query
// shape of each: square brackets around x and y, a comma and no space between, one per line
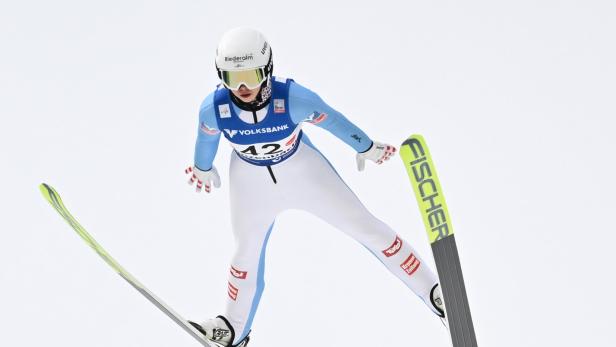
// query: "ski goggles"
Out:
[250,78]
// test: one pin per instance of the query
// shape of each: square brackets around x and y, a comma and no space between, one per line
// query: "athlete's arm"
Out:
[208,135]
[306,106]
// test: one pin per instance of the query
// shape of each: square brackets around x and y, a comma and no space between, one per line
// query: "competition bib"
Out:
[271,151]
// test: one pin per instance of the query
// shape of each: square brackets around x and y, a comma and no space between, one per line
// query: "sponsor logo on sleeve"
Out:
[279,106]
[232,291]
[238,273]
[394,248]
[206,129]
[224,111]
[316,117]
[410,265]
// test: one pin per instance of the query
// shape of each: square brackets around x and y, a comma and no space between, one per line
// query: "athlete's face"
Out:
[245,94]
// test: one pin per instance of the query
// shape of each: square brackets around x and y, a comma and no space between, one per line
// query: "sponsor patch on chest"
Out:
[224,111]
[257,131]
[279,106]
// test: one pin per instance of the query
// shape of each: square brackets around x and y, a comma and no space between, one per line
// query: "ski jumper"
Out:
[275,167]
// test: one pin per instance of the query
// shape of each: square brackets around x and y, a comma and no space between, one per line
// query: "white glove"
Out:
[202,177]
[378,153]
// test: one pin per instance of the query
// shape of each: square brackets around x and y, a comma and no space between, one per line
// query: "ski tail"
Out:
[52,196]
[456,302]
[426,185]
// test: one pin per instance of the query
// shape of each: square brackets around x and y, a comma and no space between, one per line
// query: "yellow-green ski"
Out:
[429,193]
[54,199]
[427,187]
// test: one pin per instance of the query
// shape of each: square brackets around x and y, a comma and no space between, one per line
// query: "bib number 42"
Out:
[273,149]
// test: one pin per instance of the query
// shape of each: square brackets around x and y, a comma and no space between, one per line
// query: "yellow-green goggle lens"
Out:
[250,78]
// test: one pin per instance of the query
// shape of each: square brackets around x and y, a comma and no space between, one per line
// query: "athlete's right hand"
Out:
[203,178]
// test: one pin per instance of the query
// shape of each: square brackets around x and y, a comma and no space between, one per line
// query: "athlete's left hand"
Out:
[378,153]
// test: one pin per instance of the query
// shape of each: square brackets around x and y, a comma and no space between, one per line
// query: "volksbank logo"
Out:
[231,133]
[246,132]
[244,57]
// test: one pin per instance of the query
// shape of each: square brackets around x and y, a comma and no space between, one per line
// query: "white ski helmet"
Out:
[243,49]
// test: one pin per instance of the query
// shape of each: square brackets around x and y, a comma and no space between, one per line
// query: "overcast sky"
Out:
[516,100]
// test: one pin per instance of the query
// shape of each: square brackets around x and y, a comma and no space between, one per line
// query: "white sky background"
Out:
[516,100]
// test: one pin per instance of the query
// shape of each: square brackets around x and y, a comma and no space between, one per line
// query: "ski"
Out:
[52,196]
[422,173]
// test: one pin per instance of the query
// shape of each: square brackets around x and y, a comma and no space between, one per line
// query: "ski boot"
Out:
[219,331]
[437,304]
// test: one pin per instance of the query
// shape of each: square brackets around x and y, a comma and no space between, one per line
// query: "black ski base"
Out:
[452,284]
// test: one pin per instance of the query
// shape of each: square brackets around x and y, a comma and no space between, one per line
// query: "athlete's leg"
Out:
[323,193]
[253,210]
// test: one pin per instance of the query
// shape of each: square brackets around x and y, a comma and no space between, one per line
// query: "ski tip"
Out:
[413,138]
[45,188]
[410,142]
[52,196]
[48,192]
